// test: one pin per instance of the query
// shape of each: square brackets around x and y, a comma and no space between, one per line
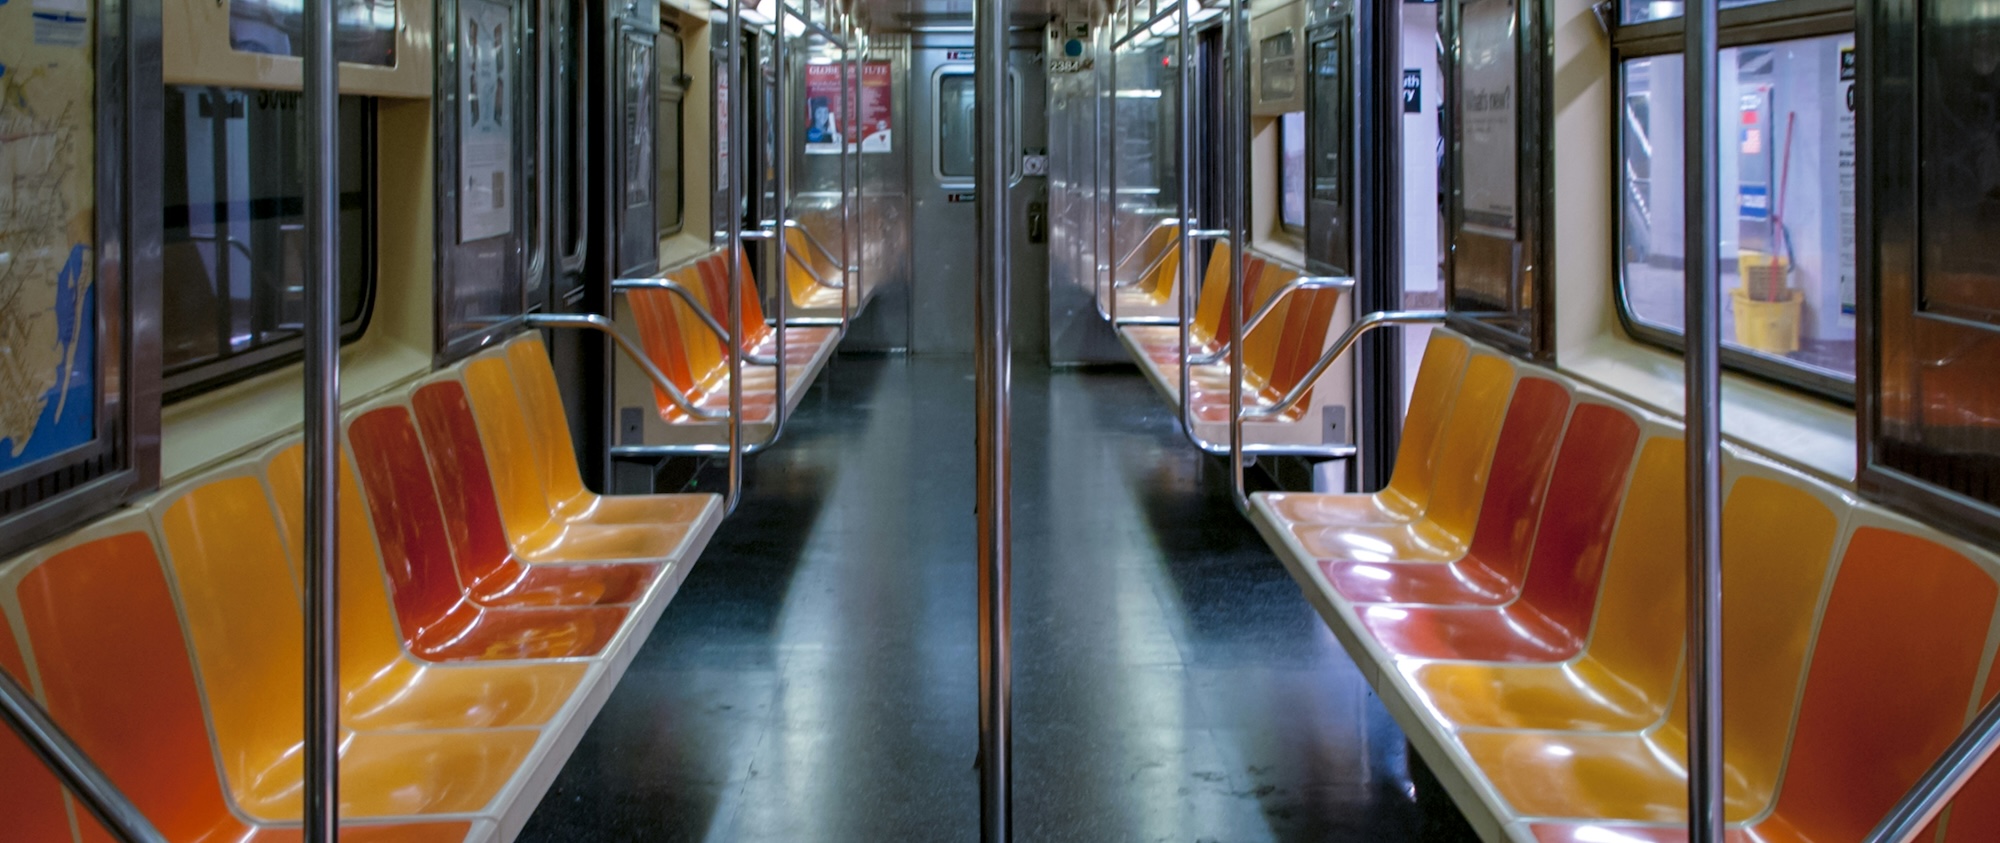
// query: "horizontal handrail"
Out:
[1378,319]
[72,767]
[626,285]
[1304,282]
[1964,757]
[594,322]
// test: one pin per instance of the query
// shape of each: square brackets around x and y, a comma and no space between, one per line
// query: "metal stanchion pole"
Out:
[732,216]
[993,476]
[1239,227]
[322,430]
[1704,422]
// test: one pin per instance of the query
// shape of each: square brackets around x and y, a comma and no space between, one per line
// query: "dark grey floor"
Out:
[816,678]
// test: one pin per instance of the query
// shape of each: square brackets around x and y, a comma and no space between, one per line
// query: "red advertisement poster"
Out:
[877,107]
[825,98]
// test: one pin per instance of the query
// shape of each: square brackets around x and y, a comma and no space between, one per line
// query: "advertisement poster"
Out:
[1486,80]
[485,120]
[824,131]
[877,107]
[825,98]
[638,81]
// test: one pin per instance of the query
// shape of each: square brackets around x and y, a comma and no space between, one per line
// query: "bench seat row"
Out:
[488,604]
[1516,596]
[691,354]
[1278,353]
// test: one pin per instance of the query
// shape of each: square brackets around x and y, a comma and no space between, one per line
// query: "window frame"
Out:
[202,378]
[1741,26]
[670,90]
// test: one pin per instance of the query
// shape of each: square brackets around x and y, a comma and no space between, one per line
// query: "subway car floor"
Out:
[816,678]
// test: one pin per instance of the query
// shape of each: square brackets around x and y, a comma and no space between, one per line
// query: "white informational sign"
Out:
[1488,114]
[722,143]
[485,120]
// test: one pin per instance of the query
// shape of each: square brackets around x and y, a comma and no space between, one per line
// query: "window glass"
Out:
[956,130]
[234,256]
[1292,170]
[1144,169]
[364,30]
[1785,193]
[673,91]
[1643,11]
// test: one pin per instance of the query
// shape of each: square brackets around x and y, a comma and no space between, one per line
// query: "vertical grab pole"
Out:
[1239,229]
[1703,379]
[322,431]
[1184,239]
[732,216]
[850,97]
[1111,178]
[781,174]
[994,476]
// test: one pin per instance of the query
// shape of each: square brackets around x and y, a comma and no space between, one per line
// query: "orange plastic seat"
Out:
[100,620]
[1367,532]
[440,620]
[759,338]
[549,441]
[31,799]
[1778,543]
[806,291]
[1157,287]
[487,408]
[1409,490]
[1207,334]
[1490,573]
[382,686]
[1894,669]
[395,466]
[694,358]
[1552,616]
[1624,679]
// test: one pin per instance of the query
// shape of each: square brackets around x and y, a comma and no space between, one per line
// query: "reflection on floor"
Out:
[816,679]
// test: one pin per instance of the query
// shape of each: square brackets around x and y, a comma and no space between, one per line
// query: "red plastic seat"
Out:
[1491,570]
[440,621]
[31,800]
[101,622]
[393,465]
[1552,615]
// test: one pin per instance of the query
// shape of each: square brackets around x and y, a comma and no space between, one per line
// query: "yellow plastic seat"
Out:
[244,621]
[1439,379]
[808,293]
[382,686]
[537,533]
[1778,542]
[1624,679]
[1157,288]
[1443,532]
[1159,346]
[549,441]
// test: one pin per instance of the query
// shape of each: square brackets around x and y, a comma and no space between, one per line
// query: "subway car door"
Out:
[944,225]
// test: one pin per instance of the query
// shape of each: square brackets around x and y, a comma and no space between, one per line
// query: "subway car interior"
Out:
[1216,421]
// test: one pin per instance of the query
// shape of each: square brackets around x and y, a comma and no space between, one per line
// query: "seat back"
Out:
[416,546]
[1642,612]
[548,424]
[1156,239]
[1304,339]
[1505,532]
[714,271]
[1777,547]
[1437,383]
[1573,537]
[32,799]
[1209,328]
[798,279]
[1465,445]
[1893,674]
[370,639]
[241,604]
[99,618]
[1160,285]
[663,339]
[707,354]
[465,484]
[1262,344]
[486,406]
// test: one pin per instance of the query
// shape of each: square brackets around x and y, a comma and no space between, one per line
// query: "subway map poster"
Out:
[48,325]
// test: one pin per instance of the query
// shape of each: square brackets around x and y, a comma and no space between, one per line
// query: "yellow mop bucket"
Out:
[1767,311]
